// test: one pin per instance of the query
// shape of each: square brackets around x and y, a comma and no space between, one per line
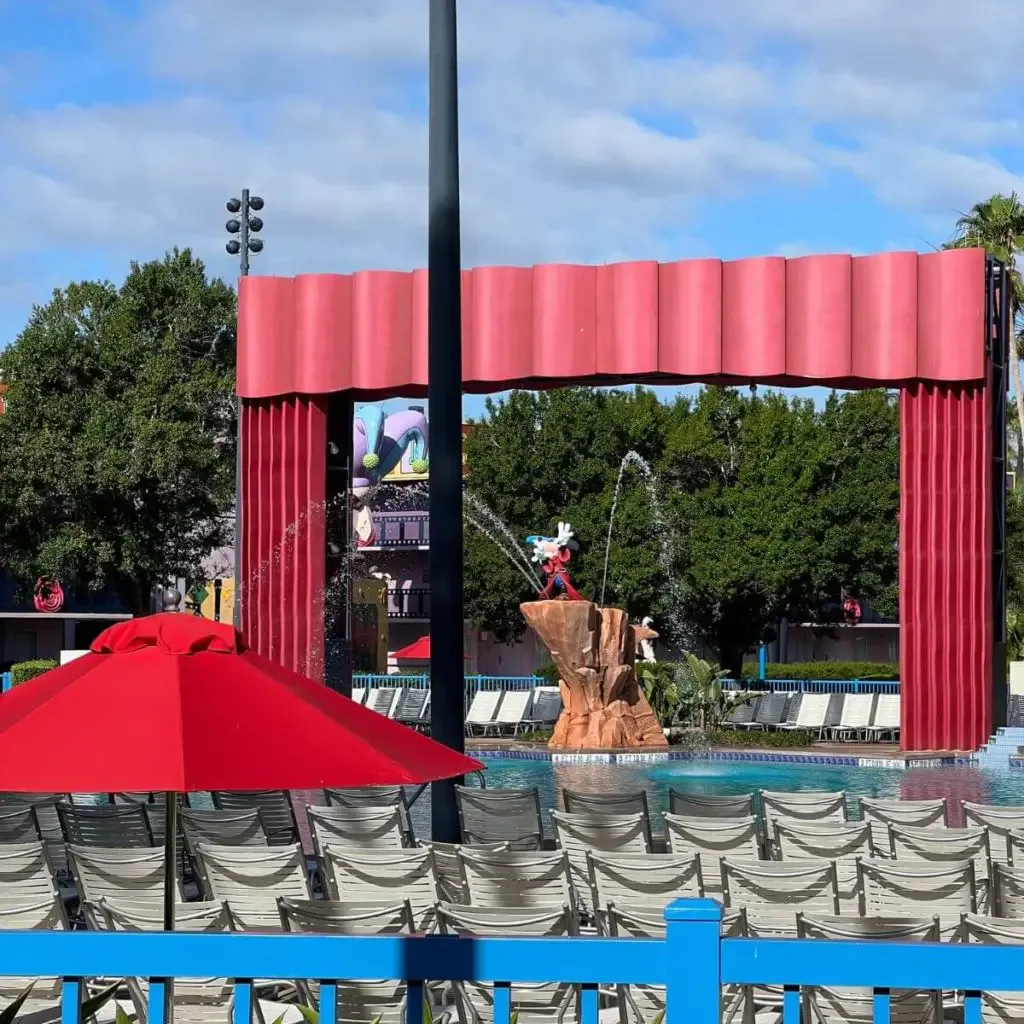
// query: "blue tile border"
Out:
[1017,762]
[756,756]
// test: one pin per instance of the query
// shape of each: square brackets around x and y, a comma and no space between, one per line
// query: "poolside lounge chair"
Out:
[363,827]
[375,796]
[513,711]
[517,878]
[221,828]
[532,1004]
[356,1002]
[804,805]
[580,834]
[917,813]
[196,1000]
[741,716]
[251,879]
[384,878]
[382,698]
[1000,822]
[886,720]
[771,710]
[546,707]
[697,805]
[855,716]
[359,694]
[501,816]
[916,889]
[1006,892]
[841,1005]
[451,887]
[614,804]
[945,847]
[641,883]
[839,841]
[18,825]
[25,875]
[110,825]
[104,872]
[483,711]
[713,838]
[50,831]
[410,704]
[275,807]
[771,892]
[396,701]
[812,714]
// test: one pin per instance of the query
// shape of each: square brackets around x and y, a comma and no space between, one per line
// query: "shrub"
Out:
[549,673]
[866,670]
[23,671]
[759,738]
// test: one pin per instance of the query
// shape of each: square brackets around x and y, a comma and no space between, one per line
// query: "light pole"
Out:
[444,389]
[245,225]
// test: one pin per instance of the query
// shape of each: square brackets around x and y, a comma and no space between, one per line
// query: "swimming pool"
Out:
[989,784]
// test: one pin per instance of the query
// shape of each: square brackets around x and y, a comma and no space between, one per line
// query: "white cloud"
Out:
[590,131]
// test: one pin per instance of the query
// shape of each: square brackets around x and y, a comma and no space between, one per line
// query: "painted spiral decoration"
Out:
[48,595]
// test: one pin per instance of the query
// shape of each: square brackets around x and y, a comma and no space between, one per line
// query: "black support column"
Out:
[999,341]
[444,332]
[338,533]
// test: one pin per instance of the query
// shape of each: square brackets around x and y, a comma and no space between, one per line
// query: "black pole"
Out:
[170,859]
[444,334]
[243,270]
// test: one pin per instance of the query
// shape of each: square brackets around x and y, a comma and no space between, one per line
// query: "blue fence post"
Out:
[762,661]
[693,933]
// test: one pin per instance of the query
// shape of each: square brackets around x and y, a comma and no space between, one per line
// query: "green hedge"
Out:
[759,739]
[23,671]
[825,670]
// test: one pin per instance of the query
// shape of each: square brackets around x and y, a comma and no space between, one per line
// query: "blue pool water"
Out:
[989,784]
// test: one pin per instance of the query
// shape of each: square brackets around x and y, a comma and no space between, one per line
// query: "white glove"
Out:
[565,534]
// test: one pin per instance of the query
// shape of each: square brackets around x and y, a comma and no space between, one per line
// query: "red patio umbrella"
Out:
[418,650]
[177,704]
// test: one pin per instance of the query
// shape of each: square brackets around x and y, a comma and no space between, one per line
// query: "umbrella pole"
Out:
[170,861]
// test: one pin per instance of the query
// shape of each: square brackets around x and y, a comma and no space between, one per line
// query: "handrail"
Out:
[692,962]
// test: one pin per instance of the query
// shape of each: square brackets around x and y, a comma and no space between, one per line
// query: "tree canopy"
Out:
[769,507]
[119,435]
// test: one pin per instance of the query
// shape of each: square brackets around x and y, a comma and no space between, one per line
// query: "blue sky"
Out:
[590,131]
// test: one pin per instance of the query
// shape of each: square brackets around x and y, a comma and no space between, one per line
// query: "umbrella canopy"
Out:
[418,650]
[176,703]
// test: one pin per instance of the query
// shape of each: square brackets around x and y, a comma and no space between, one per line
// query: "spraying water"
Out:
[678,626]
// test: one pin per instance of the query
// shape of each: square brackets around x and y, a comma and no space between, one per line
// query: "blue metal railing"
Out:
[813,685]
[692,962]
[473,683]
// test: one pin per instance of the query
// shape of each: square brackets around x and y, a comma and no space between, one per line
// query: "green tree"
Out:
[997,225]
[118,441]
[536,459]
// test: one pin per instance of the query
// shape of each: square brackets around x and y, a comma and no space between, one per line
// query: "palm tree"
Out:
[997,225]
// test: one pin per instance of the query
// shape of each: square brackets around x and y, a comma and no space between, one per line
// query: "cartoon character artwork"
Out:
[553,554]
[645,635]
[379,442]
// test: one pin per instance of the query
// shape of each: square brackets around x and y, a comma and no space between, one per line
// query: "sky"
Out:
[590,132]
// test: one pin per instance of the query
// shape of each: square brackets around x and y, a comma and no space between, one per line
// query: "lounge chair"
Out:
[641,882]
[103,872]
[517,879]
[410,704]
[855,717]
[580,834]
[513,711]
[275,807]
[383,878]
[18,825]
[886,719]
[1000,822]
[917,889]
[375,796]
[26,878]
[483,711]
[614,804]
[944,847]
[916,813]
[771,892]
[356,1002]
[111,825]
[1006,892]
[451,887]
[546,707]
[377,828]
[713,838]
[222,828]
[771,710]
[250,879]
[501,816]
[381,699]
[697,805]
[532,1004]
[805,806]
[741,716]
[812,714]
[839,841]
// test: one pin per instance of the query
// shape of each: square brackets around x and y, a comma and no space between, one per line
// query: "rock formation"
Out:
[593,649]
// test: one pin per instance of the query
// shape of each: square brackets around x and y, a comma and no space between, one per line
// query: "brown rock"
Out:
[593,649]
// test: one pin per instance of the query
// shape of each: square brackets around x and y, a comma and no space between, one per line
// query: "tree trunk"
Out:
[732,659]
